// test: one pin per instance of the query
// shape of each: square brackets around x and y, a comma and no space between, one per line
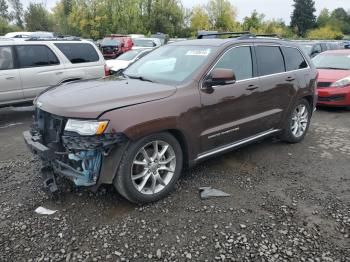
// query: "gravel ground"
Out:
[287,203]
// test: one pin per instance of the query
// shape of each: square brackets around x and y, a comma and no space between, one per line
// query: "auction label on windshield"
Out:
[198,52]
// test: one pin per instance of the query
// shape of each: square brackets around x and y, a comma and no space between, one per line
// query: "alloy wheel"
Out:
[300,120]
[153,167]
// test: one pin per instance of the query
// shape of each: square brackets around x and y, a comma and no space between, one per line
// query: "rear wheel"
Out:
[298,122]
[149,168]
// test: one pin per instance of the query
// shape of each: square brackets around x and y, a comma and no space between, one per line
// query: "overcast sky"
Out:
[271,8]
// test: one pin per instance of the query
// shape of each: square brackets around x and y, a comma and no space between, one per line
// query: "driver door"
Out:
[230,112]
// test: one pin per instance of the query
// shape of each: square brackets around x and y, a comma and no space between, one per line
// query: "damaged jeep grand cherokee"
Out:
[175,107]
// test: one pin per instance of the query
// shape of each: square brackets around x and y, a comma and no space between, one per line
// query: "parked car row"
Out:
[113,45]
[313,48]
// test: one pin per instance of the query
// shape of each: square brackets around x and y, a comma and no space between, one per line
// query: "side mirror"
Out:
[220,77]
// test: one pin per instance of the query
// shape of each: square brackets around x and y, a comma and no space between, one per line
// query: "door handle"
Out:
[290,78]
[10,77]
[252,87]
[59,73]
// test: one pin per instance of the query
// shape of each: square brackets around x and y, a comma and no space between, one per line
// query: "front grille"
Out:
[324,84]
[50,128]
[334,98]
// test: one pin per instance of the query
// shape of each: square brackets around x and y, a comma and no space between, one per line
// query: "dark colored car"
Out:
[333,78]
[175,107]
[314,48]
[114,45]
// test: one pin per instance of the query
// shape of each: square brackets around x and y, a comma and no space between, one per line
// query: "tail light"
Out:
[106,70]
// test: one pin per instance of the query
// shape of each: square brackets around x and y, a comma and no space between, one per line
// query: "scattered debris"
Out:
[208,192]
[44,211]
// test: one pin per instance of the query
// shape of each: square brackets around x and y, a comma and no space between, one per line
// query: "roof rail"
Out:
[203,34]
[238,35]
[6,39]
[73,38]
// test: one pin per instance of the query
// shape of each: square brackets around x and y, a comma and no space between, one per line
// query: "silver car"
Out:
[27,67]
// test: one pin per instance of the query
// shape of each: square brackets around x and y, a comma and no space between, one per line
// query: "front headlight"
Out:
[86,127]
[342,82]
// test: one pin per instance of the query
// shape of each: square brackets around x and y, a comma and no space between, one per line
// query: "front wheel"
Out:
[149,168]
[297,123]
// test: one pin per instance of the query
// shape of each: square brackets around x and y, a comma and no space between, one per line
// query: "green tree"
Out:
[199,19]
[4,10]
[340,20]
[37,18]
[253,22]
[17,12]
[303,17]
[324,18]
[222,15]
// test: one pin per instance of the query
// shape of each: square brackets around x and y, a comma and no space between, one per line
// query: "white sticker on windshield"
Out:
[204,52]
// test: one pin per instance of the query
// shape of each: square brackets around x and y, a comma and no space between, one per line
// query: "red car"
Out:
[114,45]
[334,78]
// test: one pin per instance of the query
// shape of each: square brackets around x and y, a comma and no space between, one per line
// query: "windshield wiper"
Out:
[141,78]
[333,68]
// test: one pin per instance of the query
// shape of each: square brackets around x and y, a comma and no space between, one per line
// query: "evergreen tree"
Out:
[4,12]
[37,18]
[303,16]
[17,12]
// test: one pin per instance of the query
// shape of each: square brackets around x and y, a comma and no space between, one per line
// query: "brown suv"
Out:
[177,106]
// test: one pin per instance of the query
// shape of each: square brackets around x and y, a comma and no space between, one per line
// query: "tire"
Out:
[297,119]
[144,176]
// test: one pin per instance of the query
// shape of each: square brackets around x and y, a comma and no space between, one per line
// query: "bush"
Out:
[325,33]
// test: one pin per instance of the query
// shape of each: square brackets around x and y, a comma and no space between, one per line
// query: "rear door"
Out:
[10,82]
[278,87]
[39,68]
[82,61]
[230,112]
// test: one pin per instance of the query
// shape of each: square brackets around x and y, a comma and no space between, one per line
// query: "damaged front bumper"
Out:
[86,160]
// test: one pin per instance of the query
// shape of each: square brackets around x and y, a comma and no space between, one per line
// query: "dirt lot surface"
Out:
[287,203]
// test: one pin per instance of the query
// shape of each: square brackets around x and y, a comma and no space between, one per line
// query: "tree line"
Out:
[97,18]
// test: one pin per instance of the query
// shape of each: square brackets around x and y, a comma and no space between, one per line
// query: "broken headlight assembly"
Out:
[86,127]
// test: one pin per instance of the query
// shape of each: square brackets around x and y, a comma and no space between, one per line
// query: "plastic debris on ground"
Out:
[44,211]
[208,192]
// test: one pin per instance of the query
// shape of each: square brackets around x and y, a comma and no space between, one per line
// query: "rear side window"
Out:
[293,58]
[36,56]
[78,52]
[6,58]
[270,60]
[238,59]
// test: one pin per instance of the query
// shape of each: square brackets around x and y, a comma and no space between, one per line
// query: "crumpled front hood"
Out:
[89,99]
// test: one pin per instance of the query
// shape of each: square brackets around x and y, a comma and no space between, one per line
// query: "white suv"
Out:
[27,67]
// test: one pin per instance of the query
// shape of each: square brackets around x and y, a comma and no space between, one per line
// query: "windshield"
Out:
[110,42]
[143,42]
[332,61]
[307,48]
[170,64]
[130,55]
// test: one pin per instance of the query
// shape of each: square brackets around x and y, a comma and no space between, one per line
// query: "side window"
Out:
[317,49]
[293,58]
[78,52]
[36,56]
[238,59]
[270,60]
[6,58]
